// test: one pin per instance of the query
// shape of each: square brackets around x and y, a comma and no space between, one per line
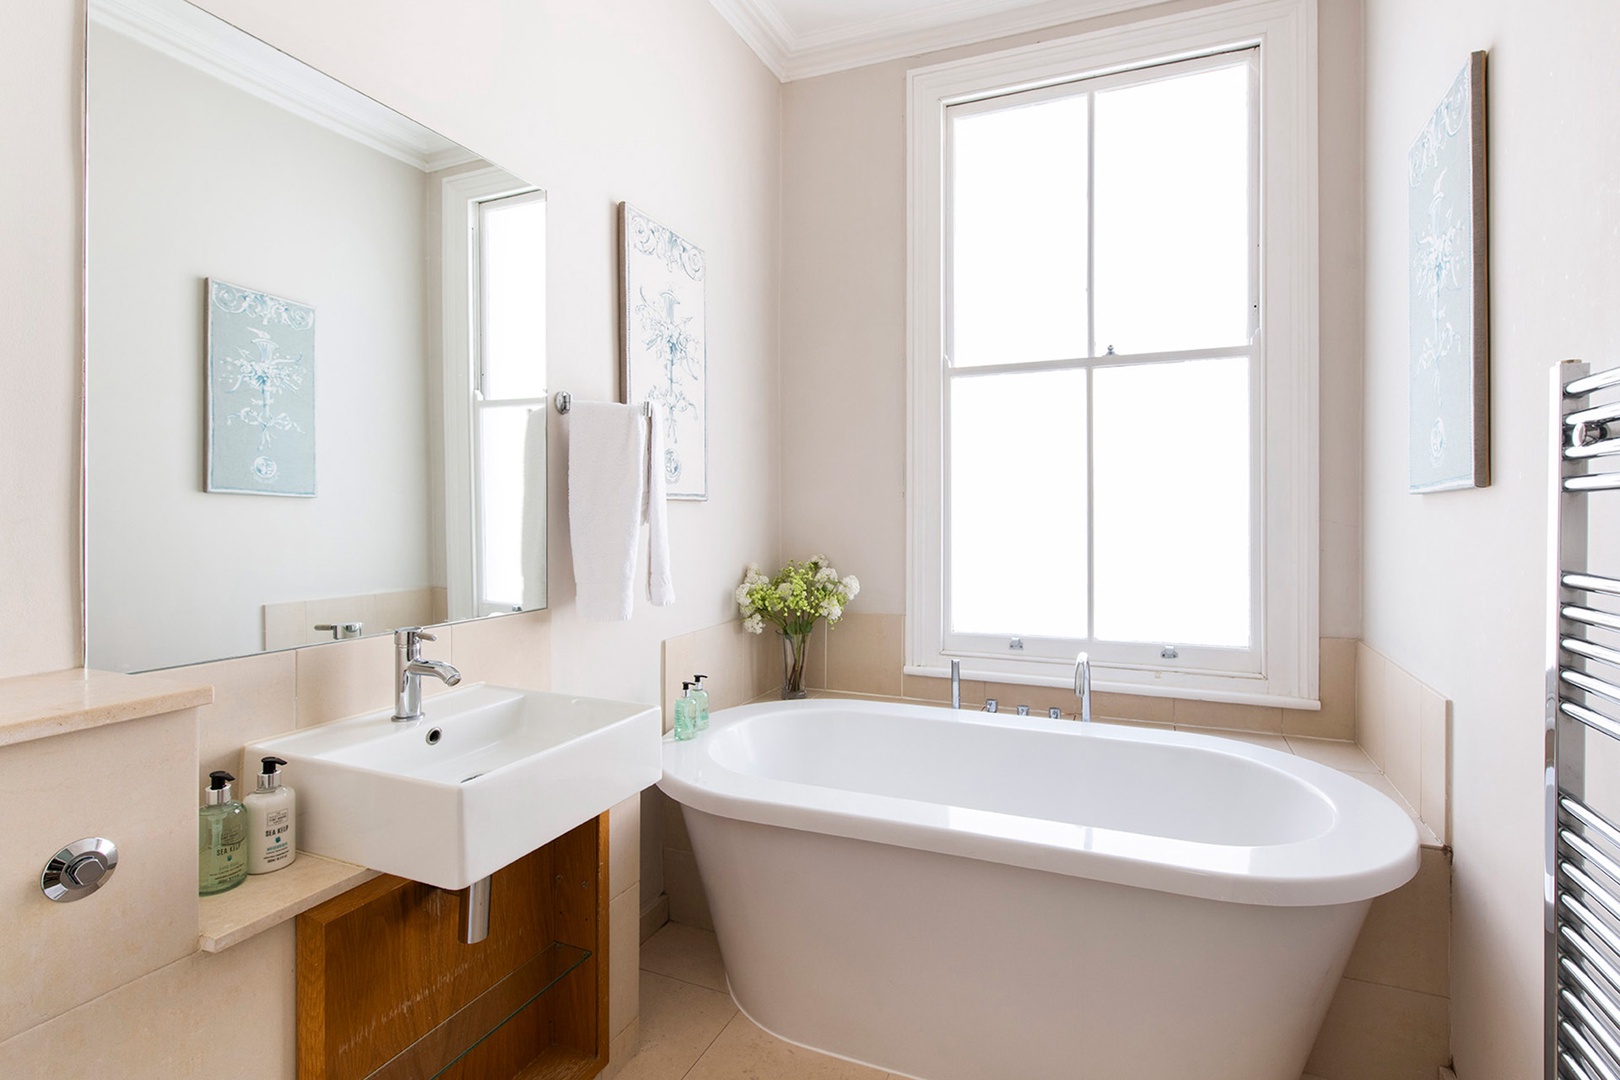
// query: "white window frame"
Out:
[460,197]
[1286,363]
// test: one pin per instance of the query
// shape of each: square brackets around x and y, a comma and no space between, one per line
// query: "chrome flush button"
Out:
[79,869]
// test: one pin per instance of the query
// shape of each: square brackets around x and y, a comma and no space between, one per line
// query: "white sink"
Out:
[485,777]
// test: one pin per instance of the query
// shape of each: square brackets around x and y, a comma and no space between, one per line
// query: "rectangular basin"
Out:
[486,776]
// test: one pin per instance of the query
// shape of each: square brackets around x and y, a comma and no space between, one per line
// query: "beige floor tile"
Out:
[678,1023]
[1257,738]
[1381,1033]
[1344,756]
[745,1051]
[687,953]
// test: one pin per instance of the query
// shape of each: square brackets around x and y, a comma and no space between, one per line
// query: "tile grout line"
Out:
[689,982]
[735,1013]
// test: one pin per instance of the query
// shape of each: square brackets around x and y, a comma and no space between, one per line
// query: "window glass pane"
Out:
[1018,233]
[1172,216]
[1017,524]
[502,454]
[1172,496]
[512,288]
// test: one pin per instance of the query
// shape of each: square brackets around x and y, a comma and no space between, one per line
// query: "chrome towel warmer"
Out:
[1582,875]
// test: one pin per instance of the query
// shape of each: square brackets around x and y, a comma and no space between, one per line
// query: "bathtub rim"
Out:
[1370,849]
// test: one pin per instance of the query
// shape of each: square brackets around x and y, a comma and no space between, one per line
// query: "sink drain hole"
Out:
[433,736]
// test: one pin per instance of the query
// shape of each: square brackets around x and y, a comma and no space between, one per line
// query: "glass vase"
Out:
[794,650]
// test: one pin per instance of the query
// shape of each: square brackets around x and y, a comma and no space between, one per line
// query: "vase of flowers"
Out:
[799,596]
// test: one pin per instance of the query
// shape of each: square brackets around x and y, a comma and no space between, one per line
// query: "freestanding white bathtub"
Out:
[960,896]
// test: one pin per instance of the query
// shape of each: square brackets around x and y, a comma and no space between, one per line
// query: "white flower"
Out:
[745,610]
[785,590]
[826,573]
[852,587]
[752,570]
[818,560]
[831,610]
[754,624]
[741,594]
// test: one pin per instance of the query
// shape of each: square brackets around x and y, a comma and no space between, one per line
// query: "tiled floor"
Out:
[690,1030]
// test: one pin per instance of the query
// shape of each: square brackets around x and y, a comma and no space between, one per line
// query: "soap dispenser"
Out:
[221,837]
[702,697]
[272,821]
[685,713]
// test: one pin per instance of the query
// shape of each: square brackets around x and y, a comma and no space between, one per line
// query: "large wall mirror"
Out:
[316,356]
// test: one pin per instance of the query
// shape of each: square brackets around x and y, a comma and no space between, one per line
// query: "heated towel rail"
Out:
[1582,882]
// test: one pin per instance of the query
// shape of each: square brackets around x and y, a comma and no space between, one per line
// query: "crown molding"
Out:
[939,26]
[212,46]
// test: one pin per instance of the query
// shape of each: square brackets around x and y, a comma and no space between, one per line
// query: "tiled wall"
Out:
[152,1007]
[291,624]
[1390,1017]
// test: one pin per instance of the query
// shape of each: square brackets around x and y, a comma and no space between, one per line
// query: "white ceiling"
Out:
[801,38]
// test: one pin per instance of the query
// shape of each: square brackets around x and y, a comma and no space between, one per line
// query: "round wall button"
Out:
[79,869]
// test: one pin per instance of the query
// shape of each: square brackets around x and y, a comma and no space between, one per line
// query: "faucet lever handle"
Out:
[423,635]
[404,635]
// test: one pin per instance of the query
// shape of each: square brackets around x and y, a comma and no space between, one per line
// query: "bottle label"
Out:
[277,836]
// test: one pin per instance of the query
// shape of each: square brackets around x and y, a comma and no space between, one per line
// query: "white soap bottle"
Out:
[272,821]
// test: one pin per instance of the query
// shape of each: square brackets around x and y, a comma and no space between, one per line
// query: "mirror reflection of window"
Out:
[509,395]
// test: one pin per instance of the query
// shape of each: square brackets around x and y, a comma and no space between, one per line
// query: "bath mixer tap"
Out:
[1023,710]
[990,705]
[956,684]
[409,667]
[1082,685]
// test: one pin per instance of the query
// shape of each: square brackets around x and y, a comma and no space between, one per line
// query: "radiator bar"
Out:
[1599,653]
[1594,720]
[1595,381]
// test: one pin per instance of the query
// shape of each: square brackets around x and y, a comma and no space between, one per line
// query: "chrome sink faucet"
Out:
[1082,685]
[409,667]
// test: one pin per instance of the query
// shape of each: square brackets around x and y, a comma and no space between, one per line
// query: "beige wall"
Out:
[1454,582]
[844,306]
[653,101]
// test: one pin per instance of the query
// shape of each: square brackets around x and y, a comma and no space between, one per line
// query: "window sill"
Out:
[1106,686]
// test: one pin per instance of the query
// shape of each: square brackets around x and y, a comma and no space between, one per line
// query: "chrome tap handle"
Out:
[956,684]
[990,705]
[1082,685]
[1023,710]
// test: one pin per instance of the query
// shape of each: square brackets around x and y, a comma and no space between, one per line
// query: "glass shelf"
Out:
[439,1050]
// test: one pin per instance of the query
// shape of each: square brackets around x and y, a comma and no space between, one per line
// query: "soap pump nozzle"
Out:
[219,788]
[270,775]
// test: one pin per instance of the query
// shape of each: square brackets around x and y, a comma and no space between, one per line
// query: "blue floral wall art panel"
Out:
[1449,421]
[261,393]
[665,352]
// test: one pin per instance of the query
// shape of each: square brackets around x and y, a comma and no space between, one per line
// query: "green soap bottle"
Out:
[222,827]
[686,713]
[702,697]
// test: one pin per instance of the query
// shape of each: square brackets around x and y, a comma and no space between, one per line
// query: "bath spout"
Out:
[474,912]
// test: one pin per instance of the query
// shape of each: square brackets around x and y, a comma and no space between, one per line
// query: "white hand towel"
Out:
[615,482]
[660,586]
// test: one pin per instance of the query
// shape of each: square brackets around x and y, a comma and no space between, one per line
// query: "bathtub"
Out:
[961,896]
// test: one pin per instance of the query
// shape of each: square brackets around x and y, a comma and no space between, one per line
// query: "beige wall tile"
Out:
[509,650]
[815,665]
[1375,1032]
[1336,679]
[679,655]
[1370,666]
[1221,714]
[1403,732]
[1434,800]
[687,901]
[654,916]
[624,959]
[726,654]
[254,697]
[284,625]
[206,1017]
[675,834]
[409,607]
[1406,940]
[133,783]
[1344,756]
[938,691]
[624,845]
[1253,738]
[1138,707]
[654,805]
[347,678]
[622,1049]
[865,654]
